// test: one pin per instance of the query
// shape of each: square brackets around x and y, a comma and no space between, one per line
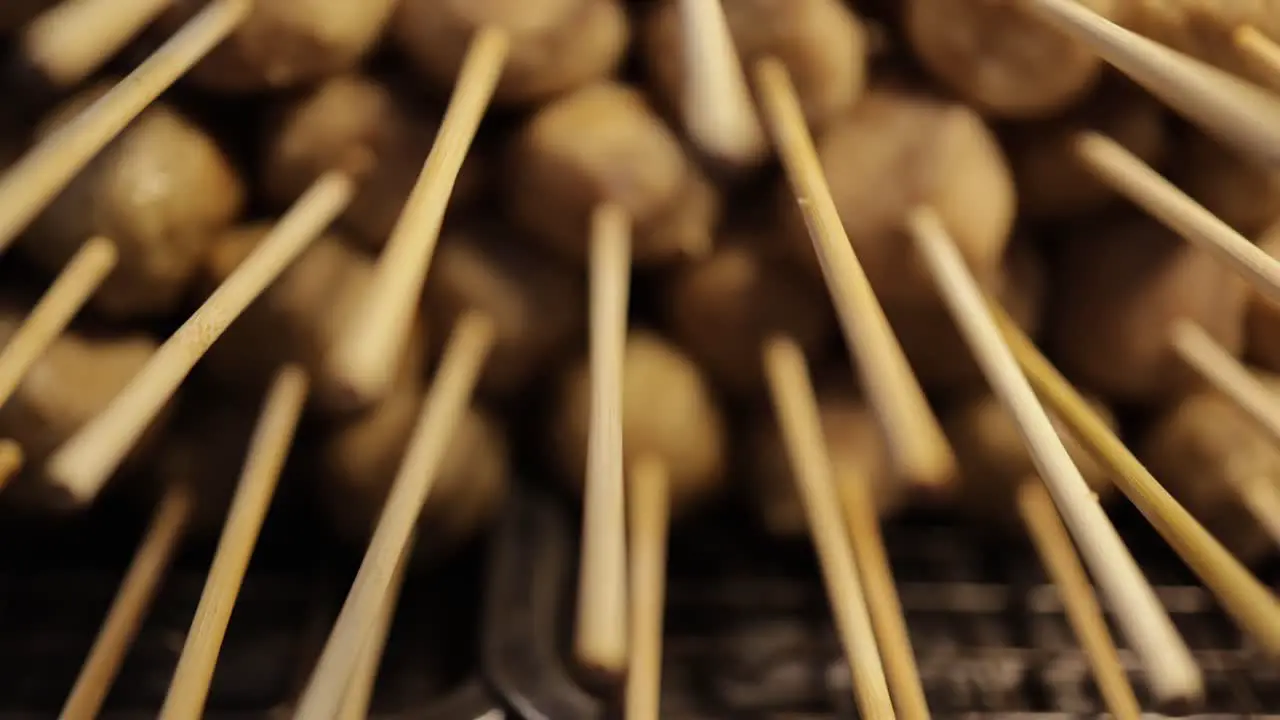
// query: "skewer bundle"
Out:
[855,259]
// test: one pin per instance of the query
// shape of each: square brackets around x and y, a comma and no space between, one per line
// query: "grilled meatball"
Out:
[1118,291]
[288,43]
[1243,193]
[603,143]
[555,45]
[162,191]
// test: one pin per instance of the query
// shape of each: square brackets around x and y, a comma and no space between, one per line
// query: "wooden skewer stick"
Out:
[35,180]
[1227,375]
[1260,52]
[649,511]
[1246,599]
[11,460]
[1129,176]
[268,449]
[73,39]
[1234,111]
[794,401]
[367,356]
[600,642]
[1260,403]
[1173,673]
[917,448]
[887,617]
[83,464]
[83,275]
[130,607]
[447,400]
[1053,544]
[718,111]
[355,704]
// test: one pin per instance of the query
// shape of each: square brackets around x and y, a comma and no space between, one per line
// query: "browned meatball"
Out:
[1262,323]
[994,460]
[722,310]
[1052,182]
[1000,57]
[855,448]
[73,381]
[1211,457]
[354,122]
[1202,28]
[1244,193]
[162,191]
[361,460]
[897,151]
[536,304]
[1118,290]
[555,45]
[603,143]
[297,319]
[680,424]
[288,43]
[822,43]
[938,353]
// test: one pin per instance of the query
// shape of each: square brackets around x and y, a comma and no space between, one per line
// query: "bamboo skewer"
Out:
[1235,111]
[37,178]
[459,370]
[83,275]
[131,604]
[918,450]
[84,463]
[367,356]
[268,449]
[1173,673]
[600,641]
[1053,544]
[792,395]
[649,514]
[887,617]
[73,39]
[1128,175]
[1227,375]
[355,703]
[1246,599]
[718,112]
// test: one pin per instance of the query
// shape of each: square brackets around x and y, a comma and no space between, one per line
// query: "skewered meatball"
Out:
[999,57]
[1243,193]
[353,122]
[679,425]
[822,43]
[288,43]
[555,45]
[535,303]
[1202,28]
[1052,182]
[895,152]
[938,353]
[361,460]
[1119,289]
[71,383]
[603,143]
[297,319]
[856,449]
[162,191]
[1211,456]
[994,460]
